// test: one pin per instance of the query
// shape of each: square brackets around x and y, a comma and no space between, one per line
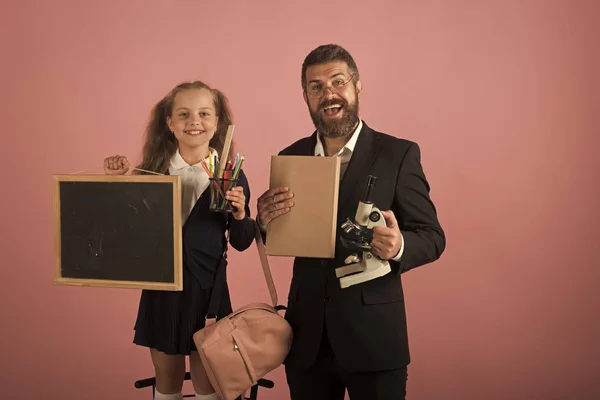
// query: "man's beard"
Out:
[339,127]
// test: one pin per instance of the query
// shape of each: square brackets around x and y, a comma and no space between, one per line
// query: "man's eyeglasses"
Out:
[316,89]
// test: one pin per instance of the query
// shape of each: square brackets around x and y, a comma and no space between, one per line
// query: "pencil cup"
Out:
[218,188]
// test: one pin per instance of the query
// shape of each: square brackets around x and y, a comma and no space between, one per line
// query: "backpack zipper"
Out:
[236,348]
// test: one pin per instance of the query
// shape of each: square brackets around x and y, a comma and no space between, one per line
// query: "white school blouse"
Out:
[194,181]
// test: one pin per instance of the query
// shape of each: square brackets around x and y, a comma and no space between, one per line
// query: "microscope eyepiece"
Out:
[369,189]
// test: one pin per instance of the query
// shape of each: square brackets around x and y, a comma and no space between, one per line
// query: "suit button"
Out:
[323,262]
[326,299]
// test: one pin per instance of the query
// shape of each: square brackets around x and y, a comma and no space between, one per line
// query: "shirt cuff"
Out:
[399,255]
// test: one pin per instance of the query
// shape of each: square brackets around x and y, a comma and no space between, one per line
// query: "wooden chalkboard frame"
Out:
[175,181]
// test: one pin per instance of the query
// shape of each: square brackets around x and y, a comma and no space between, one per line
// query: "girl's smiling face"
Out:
[193,118]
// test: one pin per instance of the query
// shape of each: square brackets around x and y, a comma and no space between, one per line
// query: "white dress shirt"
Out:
[346,154]
[194,181]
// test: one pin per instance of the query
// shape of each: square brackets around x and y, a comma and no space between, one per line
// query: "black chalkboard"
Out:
[118,231]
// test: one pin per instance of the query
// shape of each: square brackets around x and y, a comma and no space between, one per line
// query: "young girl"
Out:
[186,127]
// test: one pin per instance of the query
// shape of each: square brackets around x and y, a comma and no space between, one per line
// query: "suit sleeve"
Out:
[241,233]
[424,238]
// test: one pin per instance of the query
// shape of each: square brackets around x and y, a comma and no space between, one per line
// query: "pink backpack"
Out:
[243,347]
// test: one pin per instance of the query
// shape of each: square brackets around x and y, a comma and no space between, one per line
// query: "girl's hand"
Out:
[116,165]
[238,201]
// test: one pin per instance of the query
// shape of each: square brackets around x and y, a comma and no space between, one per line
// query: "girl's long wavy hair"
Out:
[160,144]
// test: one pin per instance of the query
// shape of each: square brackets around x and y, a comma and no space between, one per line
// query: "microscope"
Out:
[356,235]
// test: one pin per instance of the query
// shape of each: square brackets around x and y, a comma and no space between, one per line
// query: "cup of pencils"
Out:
[218,188]
[221,181]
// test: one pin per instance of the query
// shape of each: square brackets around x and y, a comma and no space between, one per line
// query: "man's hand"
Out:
[387,240]
[273,203]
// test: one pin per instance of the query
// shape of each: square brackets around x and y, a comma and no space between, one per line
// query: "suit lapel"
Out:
[307,147]
[363,156]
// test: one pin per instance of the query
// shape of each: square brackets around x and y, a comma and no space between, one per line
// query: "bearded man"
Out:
[354,338]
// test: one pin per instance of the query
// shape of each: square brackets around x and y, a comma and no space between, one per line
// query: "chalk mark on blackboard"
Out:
[146,203]
[135,210]
[96,252]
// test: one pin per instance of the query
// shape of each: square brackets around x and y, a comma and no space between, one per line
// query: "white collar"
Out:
[177,162]
[320,151]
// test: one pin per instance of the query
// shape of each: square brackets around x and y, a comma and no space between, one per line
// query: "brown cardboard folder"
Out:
[309,229]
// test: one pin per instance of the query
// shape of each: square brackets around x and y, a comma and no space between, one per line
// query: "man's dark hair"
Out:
[327,53]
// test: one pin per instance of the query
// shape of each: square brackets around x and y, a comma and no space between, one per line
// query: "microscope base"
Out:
[367,269]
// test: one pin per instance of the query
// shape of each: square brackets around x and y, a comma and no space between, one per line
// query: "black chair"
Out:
[144,383]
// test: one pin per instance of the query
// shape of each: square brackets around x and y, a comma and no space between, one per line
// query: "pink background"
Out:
[502,96]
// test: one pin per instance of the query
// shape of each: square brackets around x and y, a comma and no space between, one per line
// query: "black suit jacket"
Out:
[366,323]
